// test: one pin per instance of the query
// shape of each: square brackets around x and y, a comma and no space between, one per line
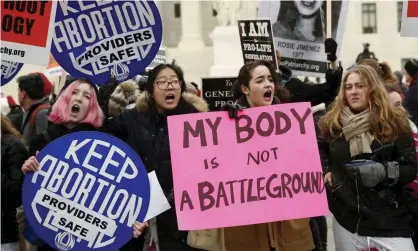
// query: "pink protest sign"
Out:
[262,167]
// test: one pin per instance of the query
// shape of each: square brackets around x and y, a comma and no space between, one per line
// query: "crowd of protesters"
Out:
[365,119]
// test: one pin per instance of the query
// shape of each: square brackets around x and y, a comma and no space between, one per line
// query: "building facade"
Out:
[188,26]
[373,22]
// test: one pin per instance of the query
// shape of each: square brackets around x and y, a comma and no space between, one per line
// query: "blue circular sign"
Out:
[90,188]
[9,70]
[98,39]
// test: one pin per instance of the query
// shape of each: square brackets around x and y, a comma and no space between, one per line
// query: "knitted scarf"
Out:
[356,130]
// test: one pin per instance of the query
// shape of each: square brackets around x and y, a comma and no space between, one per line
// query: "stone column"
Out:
[191,25]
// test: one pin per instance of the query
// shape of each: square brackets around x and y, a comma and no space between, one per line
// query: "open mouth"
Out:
[170,98]
[268,94]
[308,3]
[75,109]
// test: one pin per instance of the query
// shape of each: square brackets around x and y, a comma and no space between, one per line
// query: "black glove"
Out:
[383,154]
[233,110]
[331,49]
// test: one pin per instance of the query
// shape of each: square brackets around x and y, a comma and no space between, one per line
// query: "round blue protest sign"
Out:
[100,39]
[90,189]
[9,70]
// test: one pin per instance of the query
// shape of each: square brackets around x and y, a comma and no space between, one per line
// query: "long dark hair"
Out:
[245,74]
[182,107]
[152,76]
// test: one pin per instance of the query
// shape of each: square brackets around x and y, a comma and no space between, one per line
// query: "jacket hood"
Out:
[144,100]
[125,94]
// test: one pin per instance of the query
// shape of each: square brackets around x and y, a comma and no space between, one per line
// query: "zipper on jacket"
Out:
[358,207]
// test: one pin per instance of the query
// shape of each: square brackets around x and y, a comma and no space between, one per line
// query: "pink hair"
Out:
[59,113]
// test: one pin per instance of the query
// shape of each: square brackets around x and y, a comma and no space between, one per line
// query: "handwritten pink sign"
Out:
[262,167]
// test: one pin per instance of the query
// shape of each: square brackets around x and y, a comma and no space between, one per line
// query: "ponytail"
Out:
[386,74]
[383,70]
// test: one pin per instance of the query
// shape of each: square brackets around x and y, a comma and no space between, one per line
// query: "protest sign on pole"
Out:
[98,39]
[90,189]
[53,69]
[299,31]
[409,21]
[217,92]
[26,31]
[256,39]
[246,171]
[9,70]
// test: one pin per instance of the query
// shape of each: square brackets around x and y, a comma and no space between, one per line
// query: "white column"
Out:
[191,25]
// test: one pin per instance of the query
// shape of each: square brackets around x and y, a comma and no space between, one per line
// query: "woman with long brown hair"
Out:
[368,156]
[13,155]
[384,71]
[258,85]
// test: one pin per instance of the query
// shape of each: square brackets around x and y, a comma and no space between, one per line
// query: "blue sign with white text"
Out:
[90,189]
[100,39]
[9,70]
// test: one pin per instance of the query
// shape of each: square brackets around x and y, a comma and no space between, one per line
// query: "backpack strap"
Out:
[47,136]
[34,113]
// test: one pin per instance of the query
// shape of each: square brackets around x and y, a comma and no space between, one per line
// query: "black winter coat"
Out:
[411,101]
[13,155]
[360,209]
[145,130]
[53,132]
[314,93]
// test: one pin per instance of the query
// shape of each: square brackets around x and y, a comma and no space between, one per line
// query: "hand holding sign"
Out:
[88,192]
[31,165]
[139,228]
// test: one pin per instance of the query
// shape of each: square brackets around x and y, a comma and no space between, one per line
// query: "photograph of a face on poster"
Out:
[300,29]
[305,20]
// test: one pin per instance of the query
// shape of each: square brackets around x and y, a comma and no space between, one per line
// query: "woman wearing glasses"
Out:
[145,130]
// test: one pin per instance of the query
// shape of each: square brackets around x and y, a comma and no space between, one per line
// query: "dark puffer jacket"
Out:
[364,210]
[314,93]
[145,130]
[411,100]
[13,155]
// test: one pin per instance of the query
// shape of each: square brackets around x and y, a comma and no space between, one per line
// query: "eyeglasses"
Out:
[163,85]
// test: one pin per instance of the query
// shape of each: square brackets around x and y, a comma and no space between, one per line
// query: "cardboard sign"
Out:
[53,69]
[98,39]
[409,22]
[26,31]
[300,41]
[262,167]
[9,70]
[217,92]
[90,189]
[161,58]
[257,41]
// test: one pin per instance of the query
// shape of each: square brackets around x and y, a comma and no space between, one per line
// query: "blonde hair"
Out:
[8,128]
[386,121]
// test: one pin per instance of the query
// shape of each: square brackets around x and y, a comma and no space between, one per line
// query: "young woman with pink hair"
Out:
[76,109]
